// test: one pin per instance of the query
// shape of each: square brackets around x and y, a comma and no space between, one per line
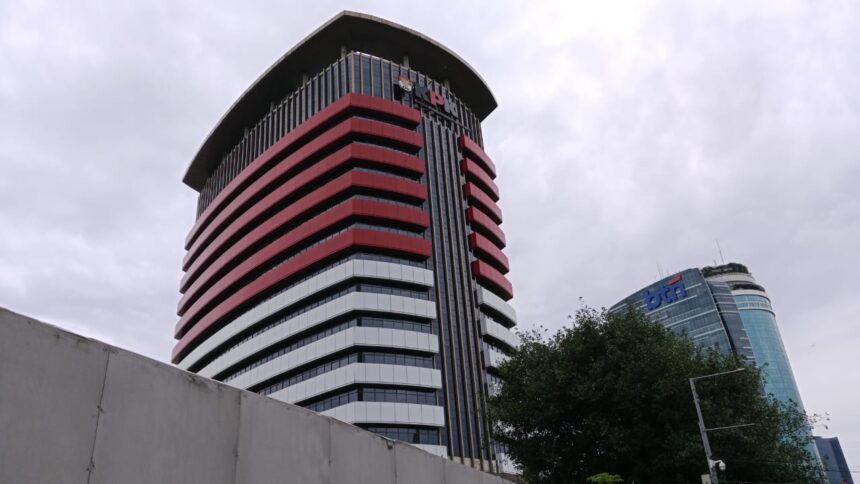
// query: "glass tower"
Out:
[689,305]
[759,321]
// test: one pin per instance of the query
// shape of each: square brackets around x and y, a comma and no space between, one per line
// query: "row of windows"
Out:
[392,230]
[364,321]
[328,204]
[308,244]
[392,395]
[424,264]
[386,170]
[286,257]
[354,256]
[357,287]
[495,320]
[293,346]
[395,291]
[411,435]
[360,357]
[398,359]
[356,72]
[284,317]
[388,323]
[285,116]
[749,301]
[377,198]
[334,401]
[310,373]
[399,395]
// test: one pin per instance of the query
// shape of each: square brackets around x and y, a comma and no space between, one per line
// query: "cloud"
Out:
[626,136]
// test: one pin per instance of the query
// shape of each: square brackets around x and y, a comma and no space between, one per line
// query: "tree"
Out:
[611,395]
[605,478]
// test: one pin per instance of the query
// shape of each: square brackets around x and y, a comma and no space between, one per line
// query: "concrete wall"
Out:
[75,410]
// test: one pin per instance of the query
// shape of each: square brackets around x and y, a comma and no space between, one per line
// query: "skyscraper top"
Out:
[351,31]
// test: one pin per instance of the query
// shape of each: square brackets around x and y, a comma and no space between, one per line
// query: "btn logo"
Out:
[670,292]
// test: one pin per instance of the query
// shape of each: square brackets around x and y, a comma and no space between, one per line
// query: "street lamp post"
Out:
[712,464]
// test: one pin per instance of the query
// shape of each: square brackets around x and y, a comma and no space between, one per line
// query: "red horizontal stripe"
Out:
[349,180]
[341,157]
[336,134]
[295,138]
[483,248]
[493,279]
[480,220]
[470,146]
[477,174]
[268,282]
[343,211]
[480,198]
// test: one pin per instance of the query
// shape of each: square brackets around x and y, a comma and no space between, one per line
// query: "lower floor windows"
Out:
[393,395]
[412,435]
[359,357]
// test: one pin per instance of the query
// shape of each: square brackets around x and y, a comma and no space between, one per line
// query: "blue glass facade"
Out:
[759,321]
[760,324]
[835,467]
[689,305]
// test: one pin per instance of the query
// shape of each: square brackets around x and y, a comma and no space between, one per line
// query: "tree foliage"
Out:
[611,395]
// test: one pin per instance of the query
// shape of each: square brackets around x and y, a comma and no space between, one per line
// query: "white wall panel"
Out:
[335,275]
[356,301]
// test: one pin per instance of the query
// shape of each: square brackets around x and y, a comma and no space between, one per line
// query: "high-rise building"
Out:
[759,322]
[687,304]
[835,467]
[347,255]
[725,309]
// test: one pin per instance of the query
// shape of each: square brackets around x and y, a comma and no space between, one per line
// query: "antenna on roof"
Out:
[659,269]
[720,250]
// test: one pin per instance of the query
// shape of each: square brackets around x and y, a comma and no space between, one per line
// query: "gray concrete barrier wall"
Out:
[75,410]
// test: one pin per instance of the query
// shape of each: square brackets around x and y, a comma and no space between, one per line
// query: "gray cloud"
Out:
[626,136]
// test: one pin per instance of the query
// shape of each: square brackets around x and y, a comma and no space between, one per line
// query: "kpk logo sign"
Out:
[670,292]
[428,96]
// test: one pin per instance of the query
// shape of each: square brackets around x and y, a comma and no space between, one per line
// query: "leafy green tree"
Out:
[611,395]
[605,478]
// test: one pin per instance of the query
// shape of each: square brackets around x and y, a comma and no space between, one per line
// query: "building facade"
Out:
[687,304]
[759,321]
[725,309]
[835,466]
[347,255]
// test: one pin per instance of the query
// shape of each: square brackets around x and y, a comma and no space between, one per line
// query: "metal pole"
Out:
[705,443]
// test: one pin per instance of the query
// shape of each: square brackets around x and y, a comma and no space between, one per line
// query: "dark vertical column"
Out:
[460,341]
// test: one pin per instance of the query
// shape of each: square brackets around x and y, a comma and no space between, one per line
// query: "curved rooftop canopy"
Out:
[356,32]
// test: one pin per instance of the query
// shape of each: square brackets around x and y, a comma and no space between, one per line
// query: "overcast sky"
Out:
[628,137]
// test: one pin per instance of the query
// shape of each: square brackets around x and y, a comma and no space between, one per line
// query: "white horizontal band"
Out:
[493,357]
[389,413]
[732,277]
[439,450]
[377,337]
[750,292]
[348,303]
[490,300]
[501,333]
[324,280]
[360,373]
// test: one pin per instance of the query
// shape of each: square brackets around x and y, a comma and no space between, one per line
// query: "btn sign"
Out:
[670,292]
